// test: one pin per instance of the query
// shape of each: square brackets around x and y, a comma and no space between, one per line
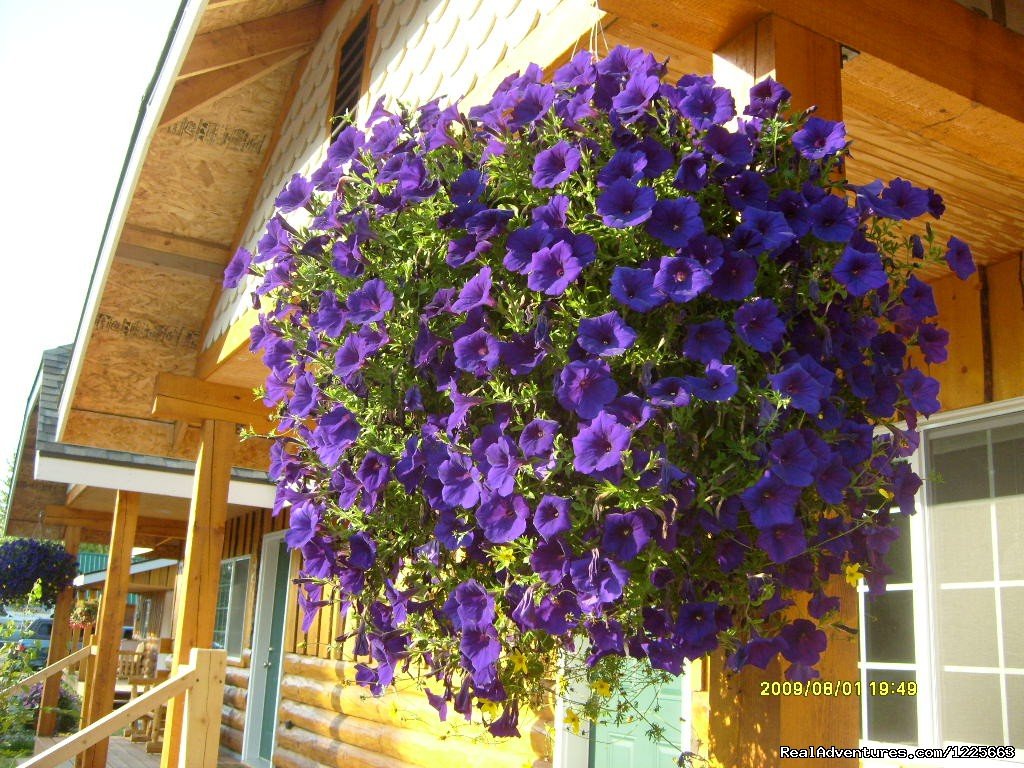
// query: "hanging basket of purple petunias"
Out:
[596,366]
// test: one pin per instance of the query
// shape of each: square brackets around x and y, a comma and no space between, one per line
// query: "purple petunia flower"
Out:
[237,268]
[503,458]
[472,605]
[475,293]
[553,166]
[819,138]
[803,390]
[933,341]
[734,279]
[305,396]
[295,194]
[623,204]
[362,551]
[538,438]
[674,222]
[598,580]
[477,353]
[625,534]
[633,99]
[334,433]
[553,269]
[802,642]
[959,258]
[758,324]
[552,516]
[791,460]
[718,384]
[303,521]
[460,481]
[705,105]
[369,303]
[770,501]
[707,341]
[693,172]
[765,98]
[783,542]
[669,392]
[550,560]
[585,387]
[374,471]
[502,518]
[681,278]
[860,271]
[634,288]
[922,391]
[607,335]
[599,445]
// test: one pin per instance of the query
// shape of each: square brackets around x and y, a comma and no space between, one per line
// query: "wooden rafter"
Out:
[185,398]
[101,521]
[194,92]
[938,40]
[176,262]
[193,248]
[252,40]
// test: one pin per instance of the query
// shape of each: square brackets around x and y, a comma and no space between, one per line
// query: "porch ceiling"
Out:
[201,165]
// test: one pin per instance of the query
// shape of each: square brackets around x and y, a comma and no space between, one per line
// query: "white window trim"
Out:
[923,573]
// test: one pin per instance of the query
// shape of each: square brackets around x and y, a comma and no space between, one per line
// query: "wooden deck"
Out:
[126,754]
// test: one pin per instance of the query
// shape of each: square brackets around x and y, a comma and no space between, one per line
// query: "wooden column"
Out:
[746,728]
[99,693]
[60,636]
[196,605]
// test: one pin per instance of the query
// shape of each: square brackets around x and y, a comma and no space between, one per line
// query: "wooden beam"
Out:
[90,519]
[185,398]
[161,260]
[251,40]
[100,692]
[938,40]
[74,492]
[197,597]
[192,247]
[196,92]
[60,635]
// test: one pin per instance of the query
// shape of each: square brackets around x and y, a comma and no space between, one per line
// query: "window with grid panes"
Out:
[230,612]
[952,619]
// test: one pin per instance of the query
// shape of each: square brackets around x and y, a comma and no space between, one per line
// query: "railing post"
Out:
[60,635]
[200,740]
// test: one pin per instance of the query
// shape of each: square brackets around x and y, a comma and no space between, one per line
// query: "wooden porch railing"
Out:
[201,682]
[58,666]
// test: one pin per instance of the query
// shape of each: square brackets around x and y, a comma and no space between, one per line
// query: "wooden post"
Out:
[60,635]
[201,718]
[196,605]
[100,686]
[746,728]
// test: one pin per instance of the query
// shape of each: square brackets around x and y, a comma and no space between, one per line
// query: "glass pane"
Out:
[967,628]
[971,708]
[959,468]
[236,616]
[1013,626]
[220,621]
[899,553]
[1010,533]
[889,626]
[891,719]
[1008,459]
[1015,708]
[962,542]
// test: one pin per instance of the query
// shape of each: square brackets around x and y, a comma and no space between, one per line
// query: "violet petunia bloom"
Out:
[305,396]
[362,551]
[374,471]
[634,97]
[706,105]
[791,460]
[460,481]
[503,519]
[598,580]
[758,324]
[718,384]
[334,433]
[475,293]
[473,605]
[599,446]
[922,391]
[477,353]
[585,387]
[552,516]
[550,560]
[770,501]
[681,278]
[819,138]
[553,269]
[503,458]
[674,222]
[553,166]
[783,542]
[481,649]
[237,268]
[669,392]
[802,642]
[765,98]
[295,195]
[607,335]
[369,303]
[623,204]
[860,271]
[734,279]
[634,288]
[803,390]
[538,438]
[707,341]
[625,534]
[959,258]
[303,521]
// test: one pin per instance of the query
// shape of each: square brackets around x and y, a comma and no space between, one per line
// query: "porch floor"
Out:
[124,753]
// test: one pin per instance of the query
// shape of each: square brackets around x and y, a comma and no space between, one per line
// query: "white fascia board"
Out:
[247,493]
[96,577]
[183,36]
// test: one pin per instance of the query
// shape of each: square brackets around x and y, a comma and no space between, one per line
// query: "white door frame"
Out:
[260,648]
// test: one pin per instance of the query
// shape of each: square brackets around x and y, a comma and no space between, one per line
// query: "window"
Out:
[351,65]
[952,620]
[230,615]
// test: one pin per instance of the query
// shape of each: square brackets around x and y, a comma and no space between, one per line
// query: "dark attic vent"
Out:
[350,71]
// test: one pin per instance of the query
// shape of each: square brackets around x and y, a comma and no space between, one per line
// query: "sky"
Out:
[72,78]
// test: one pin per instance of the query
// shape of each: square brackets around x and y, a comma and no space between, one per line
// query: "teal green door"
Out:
[628,746]
[274,655]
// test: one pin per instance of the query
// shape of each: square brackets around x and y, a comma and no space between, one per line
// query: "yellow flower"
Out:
[572,720]
[489,708]
[886,494]
[853,574]
[601,688]
[518,662]
[504,557]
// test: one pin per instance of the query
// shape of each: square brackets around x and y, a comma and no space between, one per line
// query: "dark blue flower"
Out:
[718,383]
[758,324]
[624,204]
[770,501]
[959,258]
[860,271]
[625,534]
[820,138]
[502,518]
[585,387]
[634,288]
[670,392]
[553,269]
[681,278]
[552,516]
[598,446]
[554,165]
[674,222]
[707,341]
[607,335]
